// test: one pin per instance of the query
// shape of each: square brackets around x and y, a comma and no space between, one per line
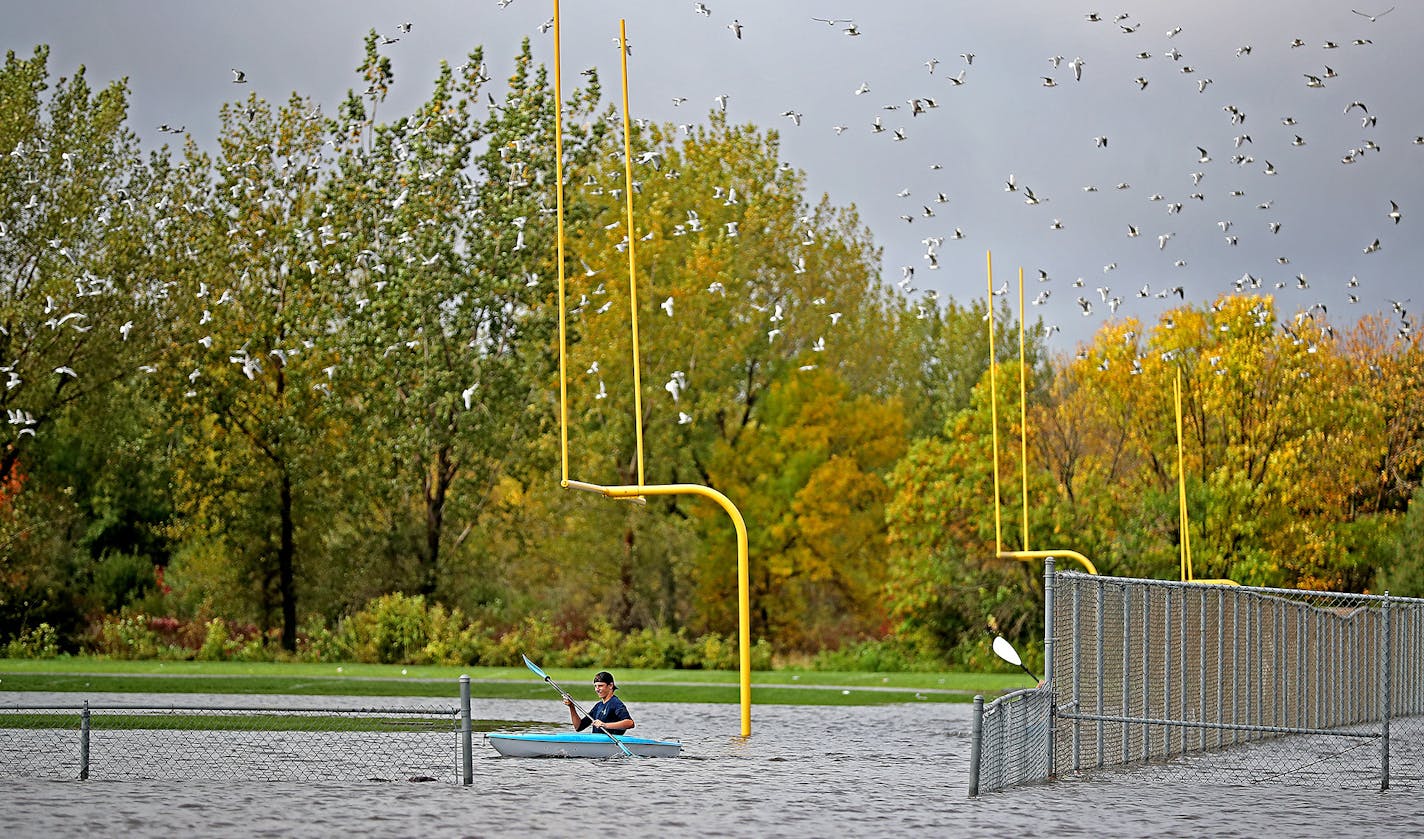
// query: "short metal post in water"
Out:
[467,758]
[84,743]
[975,745]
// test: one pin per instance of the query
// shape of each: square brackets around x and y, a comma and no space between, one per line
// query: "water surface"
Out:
[897,770]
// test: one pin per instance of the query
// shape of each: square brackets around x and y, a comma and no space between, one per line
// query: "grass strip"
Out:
[782,687]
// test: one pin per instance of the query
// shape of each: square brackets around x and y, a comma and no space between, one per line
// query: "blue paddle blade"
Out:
[534,667]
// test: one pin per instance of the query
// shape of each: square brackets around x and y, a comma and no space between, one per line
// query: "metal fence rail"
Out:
[1239,684]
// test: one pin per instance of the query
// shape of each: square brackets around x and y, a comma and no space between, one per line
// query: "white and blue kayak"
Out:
[579,745]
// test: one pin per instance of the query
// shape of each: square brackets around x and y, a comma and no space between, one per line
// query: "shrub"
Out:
[217,643]
[885,656]
[716,652]
[39,642]
[317,643]
[533,637]
[453,640]
[652,648]
[127,636]
[389,630]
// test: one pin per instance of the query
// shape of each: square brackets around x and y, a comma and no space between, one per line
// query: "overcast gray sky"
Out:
[1002,120]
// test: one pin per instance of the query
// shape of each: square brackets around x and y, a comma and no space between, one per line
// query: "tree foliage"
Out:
[313,372]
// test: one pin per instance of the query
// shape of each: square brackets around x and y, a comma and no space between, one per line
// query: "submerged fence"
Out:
[232,743]
[1229,683]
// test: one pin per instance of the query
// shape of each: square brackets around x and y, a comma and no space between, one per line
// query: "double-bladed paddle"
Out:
[545,676]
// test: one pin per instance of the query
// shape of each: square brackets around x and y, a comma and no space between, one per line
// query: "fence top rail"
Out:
[1292,593]
[1012,696]
[246,709]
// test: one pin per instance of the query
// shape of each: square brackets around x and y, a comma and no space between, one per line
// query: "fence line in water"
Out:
[220,743]
[1233,683]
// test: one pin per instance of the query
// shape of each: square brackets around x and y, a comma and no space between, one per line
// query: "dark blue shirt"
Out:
[612,710]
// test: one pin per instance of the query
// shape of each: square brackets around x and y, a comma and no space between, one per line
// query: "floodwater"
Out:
[897,770]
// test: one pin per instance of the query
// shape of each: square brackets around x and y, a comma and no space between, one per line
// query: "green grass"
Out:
[780,687]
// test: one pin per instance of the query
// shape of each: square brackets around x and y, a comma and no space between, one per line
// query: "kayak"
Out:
[579,745]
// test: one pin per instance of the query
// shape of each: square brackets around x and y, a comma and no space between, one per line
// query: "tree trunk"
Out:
[437,487]
[623,619]
[286,562]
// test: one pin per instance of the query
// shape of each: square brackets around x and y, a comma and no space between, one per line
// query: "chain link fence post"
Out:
[975,745]
[1048,665]
[467,756]
[84,742]
[1385,690]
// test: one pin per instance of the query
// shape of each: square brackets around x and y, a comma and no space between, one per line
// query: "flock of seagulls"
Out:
[1230,175]
[1219,178]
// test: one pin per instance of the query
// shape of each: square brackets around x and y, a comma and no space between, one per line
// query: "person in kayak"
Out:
[610,714]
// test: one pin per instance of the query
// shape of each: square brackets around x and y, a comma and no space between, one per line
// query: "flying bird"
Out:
[1373,17]
[238,76]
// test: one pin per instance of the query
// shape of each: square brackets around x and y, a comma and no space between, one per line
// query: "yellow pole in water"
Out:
[1182,483]
[637,493]
[632,240]
[993,404]
[559,215]
[1023,413]
[744,609]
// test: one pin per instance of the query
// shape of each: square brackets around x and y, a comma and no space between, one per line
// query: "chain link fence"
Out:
[289,744]
[1010,745]
[1228,683]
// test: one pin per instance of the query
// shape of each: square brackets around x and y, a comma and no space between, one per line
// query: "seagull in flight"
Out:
[238,76]
[833,21]
[736,27]
[1373,17]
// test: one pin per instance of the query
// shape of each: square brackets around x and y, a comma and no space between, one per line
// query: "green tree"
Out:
[447,317]
[75,307]
[742,287]
[245,375]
